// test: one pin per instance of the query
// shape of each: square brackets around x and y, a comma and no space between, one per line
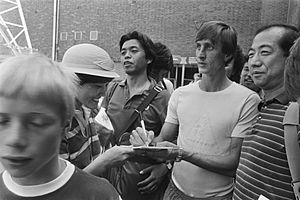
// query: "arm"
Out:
[114,156]
[225,164]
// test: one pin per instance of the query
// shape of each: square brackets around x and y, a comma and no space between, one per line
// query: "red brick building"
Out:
[173,22]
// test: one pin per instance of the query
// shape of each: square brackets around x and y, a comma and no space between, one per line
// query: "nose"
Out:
[16,135]
[127,54]
[254,61]
[200,53]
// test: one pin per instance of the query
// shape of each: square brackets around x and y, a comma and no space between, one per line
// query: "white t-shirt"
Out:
[207,122]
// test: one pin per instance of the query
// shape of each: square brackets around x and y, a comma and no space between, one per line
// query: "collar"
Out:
[277,96]
[78,105]
[123,84]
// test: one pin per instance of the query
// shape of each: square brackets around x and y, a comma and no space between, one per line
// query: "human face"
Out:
[133,58]
[246,79]
[210,58]
[266,59]
[90,93]
[30,135]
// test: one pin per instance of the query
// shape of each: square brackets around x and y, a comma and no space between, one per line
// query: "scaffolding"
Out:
[13,29]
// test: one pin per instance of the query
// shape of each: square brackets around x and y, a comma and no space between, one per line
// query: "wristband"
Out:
[179,155]
[169,165]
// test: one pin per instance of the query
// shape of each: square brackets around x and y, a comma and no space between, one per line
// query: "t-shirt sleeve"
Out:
[172,108]
[248,115]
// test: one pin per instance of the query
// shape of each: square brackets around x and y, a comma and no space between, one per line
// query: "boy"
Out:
[36,106]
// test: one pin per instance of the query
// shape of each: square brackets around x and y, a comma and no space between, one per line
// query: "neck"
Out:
[43,175]
[137,81]
[271,93]
[215,83]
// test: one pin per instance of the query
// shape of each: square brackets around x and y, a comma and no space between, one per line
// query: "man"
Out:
[144,180]
[94,67]
[263,169]
[162,66]
[246,79]
[210,117]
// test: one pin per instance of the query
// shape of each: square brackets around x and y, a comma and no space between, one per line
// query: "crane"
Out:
[13,29]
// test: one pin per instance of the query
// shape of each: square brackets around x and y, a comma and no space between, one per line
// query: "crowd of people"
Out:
[220,137]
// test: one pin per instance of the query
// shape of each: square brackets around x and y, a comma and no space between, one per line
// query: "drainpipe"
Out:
[55,29]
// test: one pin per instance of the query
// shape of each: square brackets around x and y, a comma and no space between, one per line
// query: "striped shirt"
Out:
[263,167]
[81,144]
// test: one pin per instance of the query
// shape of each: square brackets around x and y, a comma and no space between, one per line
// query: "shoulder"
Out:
[93,184]
[244,91]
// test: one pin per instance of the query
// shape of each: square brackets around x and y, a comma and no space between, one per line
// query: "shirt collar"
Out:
[277,96]
[123,83]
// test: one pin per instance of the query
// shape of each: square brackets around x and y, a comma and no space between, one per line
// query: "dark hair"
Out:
[289,36]
[292,72]
[146,43]
[238,64]
[163,60]
[85,78]
[218,31]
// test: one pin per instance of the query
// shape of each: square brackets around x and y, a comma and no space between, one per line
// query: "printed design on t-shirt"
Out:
[203,138]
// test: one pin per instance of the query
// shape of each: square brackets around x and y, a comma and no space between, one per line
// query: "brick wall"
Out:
[173,22]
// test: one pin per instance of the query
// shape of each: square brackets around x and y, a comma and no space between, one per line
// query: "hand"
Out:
[157,173]
[140,138]
[114,156]
[104,134]
[164,155]
[117,155]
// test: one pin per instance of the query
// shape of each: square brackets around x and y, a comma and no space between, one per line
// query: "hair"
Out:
[218,31]
[238,64]
[146,43]
[290,34]
[292,72]
[163,61]
[39,79]
[85,79]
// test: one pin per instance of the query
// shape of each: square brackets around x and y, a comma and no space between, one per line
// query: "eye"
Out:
[209,47]
[265,52]
[250,54]
[4,119]
[39,121]
[123,53]
[134,50]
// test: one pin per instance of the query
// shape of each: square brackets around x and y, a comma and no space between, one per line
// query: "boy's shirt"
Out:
[72,184]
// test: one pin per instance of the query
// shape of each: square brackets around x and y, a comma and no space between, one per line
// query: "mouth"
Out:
[256,73]
[127,63]
[17,161]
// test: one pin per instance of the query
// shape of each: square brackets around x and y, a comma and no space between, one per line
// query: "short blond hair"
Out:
[37,78]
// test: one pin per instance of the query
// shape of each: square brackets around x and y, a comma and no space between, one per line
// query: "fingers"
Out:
[148,185]
[135,139]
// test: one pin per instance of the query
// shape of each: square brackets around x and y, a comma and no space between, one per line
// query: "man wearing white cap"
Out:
[94,67]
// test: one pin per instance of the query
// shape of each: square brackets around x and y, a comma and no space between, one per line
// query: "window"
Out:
[77,35]
[63,36]
[93,35]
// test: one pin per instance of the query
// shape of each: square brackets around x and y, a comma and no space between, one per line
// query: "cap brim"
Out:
[93,72]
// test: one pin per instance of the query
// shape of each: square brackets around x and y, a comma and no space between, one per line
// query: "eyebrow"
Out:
[260,47]
[130,47]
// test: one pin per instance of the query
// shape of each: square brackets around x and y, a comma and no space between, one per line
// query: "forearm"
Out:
[98,167]
[225,165]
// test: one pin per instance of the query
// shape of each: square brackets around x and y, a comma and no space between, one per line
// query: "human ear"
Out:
[149,61]
[67,126]
[228,58]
